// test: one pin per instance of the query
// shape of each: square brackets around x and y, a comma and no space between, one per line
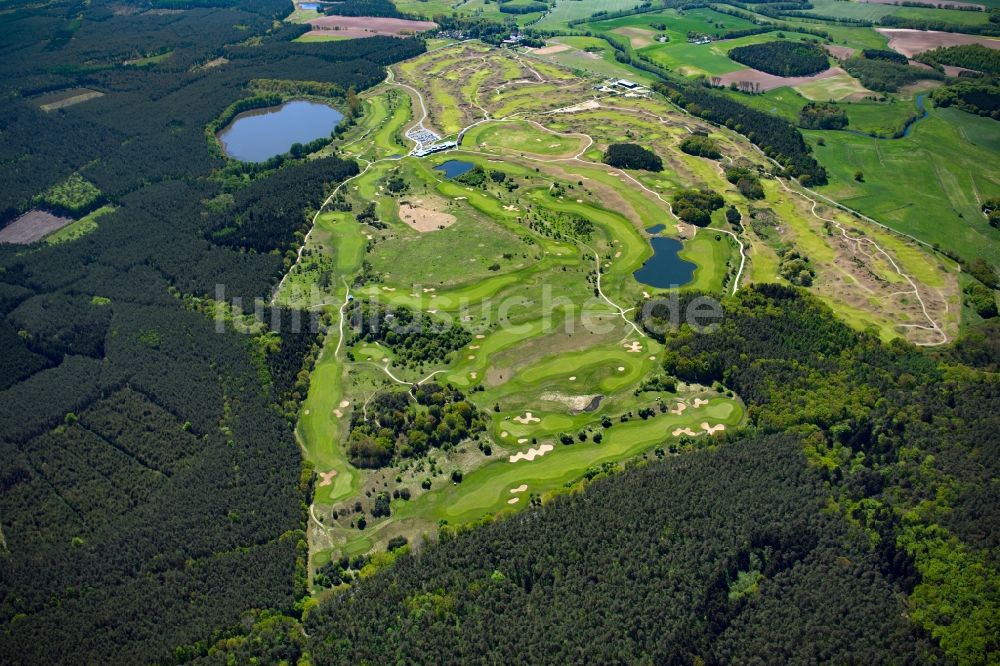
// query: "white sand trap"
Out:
[480,336]
[579,200]
[471,357]
[511,208]
[306,412]
[633,347]
[531,454]
[432,312]
[573,378]
[370,237]
[473,375]
[425,219]
[527,418]
[618,254]
[522,440]
[698,402]
[711,430]
[473,346]
[621,368]
[503,434]
[679,409]
[520,489]
[388,289]
[513,500]
[339,414]
[327,477]
[344,403]
[645,294]
[652,358]
[427,289]
[461,198]
[684,431]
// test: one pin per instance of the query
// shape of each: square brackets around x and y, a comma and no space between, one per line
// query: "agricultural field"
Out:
[928,184]
[521,263]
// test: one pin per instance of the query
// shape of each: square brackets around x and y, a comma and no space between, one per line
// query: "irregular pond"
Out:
[656,228]
[258,135]
[455,168]
[665,269]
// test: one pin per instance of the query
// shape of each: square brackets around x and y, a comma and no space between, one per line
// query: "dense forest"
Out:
[822,115]
[782,58]
[885,75]
[632,156]
[981,97]
[970,56]
[151,484]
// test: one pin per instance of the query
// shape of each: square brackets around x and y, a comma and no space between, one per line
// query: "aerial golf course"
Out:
[518,249]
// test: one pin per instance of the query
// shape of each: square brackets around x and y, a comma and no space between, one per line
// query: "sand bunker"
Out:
[698,402]
[473,346]
[339,414]
[685,431]
[633,347]
[522,440]
[711,430]
[520,489]
[527,418]
[327,477]
[573,378]
[471,357]
[344,403]
[480,336]
[679,409]
[425,219]
[621,368]
[503,434]
[911,42]
[532,453]
[513,500]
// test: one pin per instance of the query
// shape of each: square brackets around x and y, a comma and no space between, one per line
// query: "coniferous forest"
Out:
[149,478]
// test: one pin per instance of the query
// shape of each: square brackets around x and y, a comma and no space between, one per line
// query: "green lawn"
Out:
[570,10]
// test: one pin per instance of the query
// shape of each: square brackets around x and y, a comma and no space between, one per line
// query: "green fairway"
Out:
[532,255]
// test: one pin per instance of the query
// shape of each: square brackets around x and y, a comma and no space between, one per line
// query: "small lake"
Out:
[455,168]
[665,269]
[656,228]
[258,135]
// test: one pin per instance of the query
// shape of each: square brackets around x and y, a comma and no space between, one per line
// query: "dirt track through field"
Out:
[367,26]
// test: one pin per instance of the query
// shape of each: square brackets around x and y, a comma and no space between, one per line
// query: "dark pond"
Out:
[258,135]
[455,168]
[656,228]
[665,269]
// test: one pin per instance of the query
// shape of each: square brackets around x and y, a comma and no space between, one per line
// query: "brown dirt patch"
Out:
[839,52]
[770,81]
[639,37]
[367,26]
[911,42]
[552,48]
[32,226]
[424,219]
